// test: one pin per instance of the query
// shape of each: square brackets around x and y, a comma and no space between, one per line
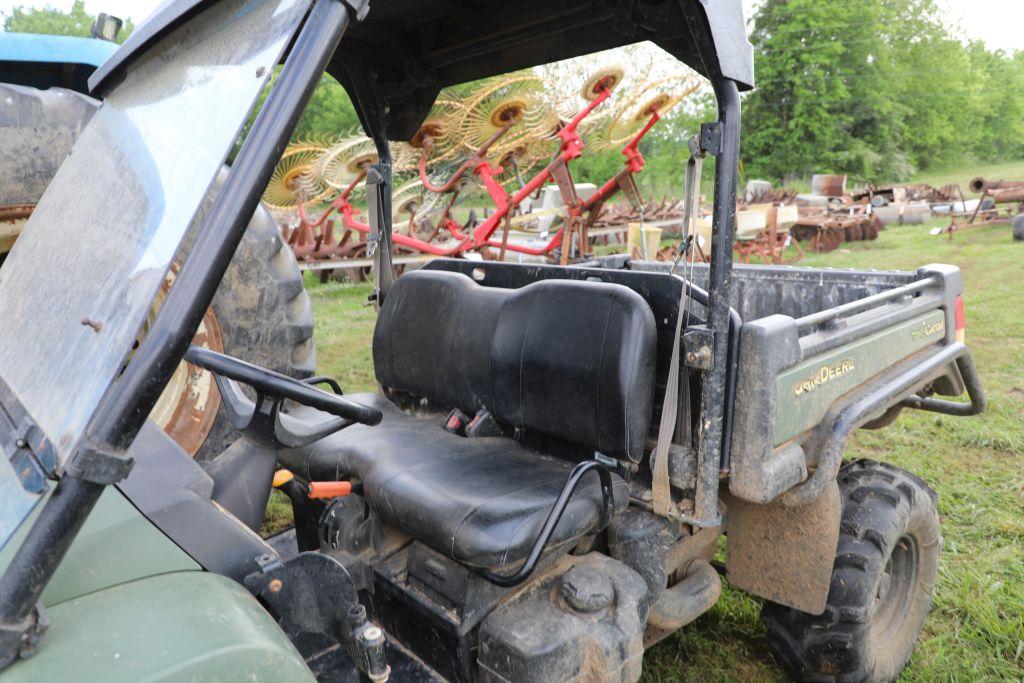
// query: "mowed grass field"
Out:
[975,631]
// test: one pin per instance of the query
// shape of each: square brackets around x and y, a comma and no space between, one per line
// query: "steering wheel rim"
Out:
[275,384]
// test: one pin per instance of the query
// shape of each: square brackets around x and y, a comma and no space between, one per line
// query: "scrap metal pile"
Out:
[508,143]
[1001,202]
[830,216]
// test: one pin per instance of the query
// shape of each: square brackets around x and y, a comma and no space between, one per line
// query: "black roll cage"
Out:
[396,66]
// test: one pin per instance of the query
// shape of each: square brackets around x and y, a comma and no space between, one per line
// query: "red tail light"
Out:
[958,317]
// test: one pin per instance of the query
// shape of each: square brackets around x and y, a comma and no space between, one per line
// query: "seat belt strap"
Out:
[661,488]
[379,241]
[660,485]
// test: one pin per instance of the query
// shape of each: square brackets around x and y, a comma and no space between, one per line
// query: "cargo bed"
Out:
[823,351]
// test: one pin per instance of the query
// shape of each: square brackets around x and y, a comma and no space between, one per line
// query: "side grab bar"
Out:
[860,410]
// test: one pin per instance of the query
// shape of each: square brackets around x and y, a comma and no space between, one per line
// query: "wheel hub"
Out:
[895,590]
[187,408]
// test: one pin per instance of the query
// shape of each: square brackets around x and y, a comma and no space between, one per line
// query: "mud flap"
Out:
[784,554]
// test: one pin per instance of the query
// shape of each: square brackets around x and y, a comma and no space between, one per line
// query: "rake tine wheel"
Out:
[296,175]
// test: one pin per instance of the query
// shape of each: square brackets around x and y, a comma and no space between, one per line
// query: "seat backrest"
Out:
[572,360]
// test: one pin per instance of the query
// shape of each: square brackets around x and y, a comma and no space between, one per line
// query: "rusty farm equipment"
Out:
[829,216]
[825,232]
[1001,202]
[506,141]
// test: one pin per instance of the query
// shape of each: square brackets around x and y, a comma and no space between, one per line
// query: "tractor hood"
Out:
[396,60]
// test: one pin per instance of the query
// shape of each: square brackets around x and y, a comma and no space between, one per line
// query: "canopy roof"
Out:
[412,48]
[396,60]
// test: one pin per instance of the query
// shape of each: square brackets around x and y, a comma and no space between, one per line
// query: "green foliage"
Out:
[49,21]
[329,112]
[876,89]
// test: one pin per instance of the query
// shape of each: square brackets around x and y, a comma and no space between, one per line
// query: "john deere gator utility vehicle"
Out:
[538,489]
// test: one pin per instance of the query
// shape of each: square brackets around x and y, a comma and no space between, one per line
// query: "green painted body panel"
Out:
[116,544]
[185,626]
[806,390]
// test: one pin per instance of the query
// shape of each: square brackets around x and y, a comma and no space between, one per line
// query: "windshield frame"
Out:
[102,460]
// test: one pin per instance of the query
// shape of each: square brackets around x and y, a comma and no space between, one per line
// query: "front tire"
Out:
[882,583]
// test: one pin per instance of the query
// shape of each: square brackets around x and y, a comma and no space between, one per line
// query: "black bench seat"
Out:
[479,501]
[572,362]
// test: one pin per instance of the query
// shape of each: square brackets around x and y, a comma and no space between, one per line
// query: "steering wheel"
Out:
[264,419]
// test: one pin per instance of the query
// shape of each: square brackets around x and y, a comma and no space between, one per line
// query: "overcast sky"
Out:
[1000,23]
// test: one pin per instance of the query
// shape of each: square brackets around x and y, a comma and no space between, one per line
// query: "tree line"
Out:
[878,89]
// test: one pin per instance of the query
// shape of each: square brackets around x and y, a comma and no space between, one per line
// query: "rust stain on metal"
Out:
[828,185]
[187,409]
[980,185]
[825,232]
[15,212]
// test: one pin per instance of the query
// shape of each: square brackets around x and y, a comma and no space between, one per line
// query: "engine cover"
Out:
[584,621]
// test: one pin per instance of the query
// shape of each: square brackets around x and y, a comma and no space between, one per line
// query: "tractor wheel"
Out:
[1018,228]
[882,583]
[260,313]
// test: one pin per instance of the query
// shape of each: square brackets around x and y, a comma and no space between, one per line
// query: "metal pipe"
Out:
[813,345]
[735,323]
[44,547]
[125,408]
[551,522]
[713,391]
[980,184]
[1010,195]
[862,408]
[972,382]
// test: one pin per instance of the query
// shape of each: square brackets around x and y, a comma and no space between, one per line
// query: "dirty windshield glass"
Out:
[81,278]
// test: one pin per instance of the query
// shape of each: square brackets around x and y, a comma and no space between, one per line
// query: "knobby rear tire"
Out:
[882,583]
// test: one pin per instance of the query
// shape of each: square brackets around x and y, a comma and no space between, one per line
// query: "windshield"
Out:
[81,278]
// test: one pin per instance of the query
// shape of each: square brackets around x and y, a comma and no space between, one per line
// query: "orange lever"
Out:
[282,477]
[329,489]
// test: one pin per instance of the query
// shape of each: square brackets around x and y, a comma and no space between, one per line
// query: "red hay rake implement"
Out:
[506,129]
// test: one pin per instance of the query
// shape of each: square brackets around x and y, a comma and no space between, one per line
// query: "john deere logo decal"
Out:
[825,374]
[926,329]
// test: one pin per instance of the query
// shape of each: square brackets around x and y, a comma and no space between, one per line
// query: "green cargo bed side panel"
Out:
[807,391]
[187,626]
[116,544]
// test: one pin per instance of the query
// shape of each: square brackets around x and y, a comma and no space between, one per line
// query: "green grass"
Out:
[975,631]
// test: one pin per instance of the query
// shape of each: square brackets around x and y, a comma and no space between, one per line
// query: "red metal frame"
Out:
[306,243]
[481,236]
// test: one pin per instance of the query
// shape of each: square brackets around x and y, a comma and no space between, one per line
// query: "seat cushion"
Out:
[480,501]
[576,360]
[573,360]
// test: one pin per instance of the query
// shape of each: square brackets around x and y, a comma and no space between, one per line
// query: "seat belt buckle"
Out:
[483,424]
[456,422]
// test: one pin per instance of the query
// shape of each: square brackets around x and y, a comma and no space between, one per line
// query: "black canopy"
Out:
[396,60]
